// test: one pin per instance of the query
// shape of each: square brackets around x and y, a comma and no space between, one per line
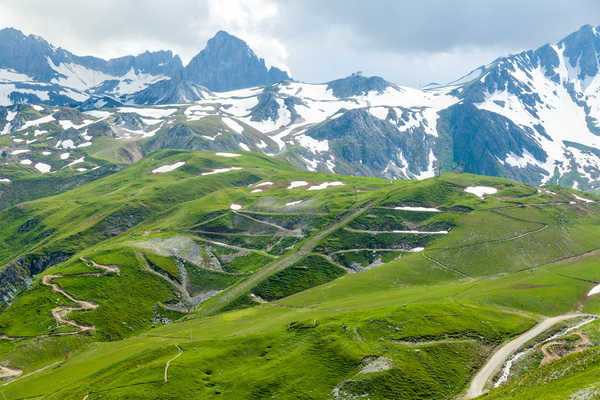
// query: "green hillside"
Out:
[236,275]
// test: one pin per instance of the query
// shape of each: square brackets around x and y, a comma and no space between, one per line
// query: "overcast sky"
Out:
[409,42]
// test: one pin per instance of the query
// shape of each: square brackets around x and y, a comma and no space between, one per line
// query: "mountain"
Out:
[227,63]
[532,116]
[34,71]
[219,247]
[549,100]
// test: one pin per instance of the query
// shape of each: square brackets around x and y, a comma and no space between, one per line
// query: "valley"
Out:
[216,229]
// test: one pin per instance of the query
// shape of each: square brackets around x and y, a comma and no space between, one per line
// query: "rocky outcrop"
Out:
[20,273]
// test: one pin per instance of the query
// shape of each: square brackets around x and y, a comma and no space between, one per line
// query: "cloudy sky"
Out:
[410,42]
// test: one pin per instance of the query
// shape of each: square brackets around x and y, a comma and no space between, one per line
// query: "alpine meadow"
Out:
[211,227]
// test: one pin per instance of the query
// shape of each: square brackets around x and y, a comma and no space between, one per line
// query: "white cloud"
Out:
[408,42]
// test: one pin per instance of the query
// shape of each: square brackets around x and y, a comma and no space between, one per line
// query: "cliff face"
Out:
[19,274]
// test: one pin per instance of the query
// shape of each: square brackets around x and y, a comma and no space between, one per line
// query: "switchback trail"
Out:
[282,263]
[60,313]
[497,360]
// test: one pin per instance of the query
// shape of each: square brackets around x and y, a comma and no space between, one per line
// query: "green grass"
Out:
[127,299]
[201,280]
[306,273]
[165,264]
[357,259]
[321,326]
[347,240]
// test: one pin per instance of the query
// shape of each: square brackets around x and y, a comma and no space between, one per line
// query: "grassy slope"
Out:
[304,345]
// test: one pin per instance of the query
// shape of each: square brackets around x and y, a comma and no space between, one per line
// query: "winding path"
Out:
[477,386]
[168,364]
[60,313]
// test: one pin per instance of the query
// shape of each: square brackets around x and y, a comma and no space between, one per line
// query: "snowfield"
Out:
[234,126]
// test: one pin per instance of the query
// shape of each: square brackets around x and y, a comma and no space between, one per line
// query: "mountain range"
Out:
[532,116]
[196,232]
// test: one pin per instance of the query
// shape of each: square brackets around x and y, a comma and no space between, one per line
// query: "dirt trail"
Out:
[188,301]
[60,313]
[168,364]
[282,263]
[290,232]
[497,360]
[32,373]
[444,266]
[551,355]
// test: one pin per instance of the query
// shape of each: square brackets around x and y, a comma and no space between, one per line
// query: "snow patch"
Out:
[235,207]
[595,290]
[264,184]
[65,144]
[296,184]
[379,112]
[228,154]
[221,170]
[37,122]
[314,145]
[78,161]
[16,152]
[43,168]
[325,185]
[293,203]
[168,168]
[480,191]
[233,125]
[420,209]
[582,199]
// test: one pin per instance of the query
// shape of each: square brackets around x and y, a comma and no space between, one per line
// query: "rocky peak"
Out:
[227,63]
